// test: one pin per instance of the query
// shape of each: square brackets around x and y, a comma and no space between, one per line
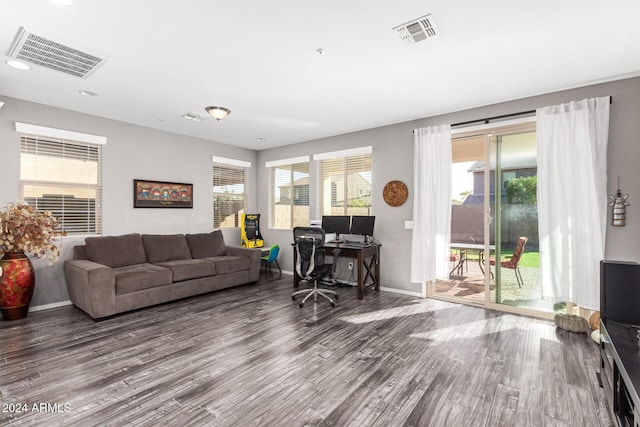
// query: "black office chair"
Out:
[310,265]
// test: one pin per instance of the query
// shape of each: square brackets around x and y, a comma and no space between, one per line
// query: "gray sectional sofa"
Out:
[114,274]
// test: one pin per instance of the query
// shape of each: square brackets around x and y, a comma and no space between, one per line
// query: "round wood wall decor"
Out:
[395,193]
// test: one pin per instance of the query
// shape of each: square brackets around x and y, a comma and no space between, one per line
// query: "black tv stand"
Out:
[620,339]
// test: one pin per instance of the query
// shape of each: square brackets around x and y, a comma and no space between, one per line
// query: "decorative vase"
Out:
[17,283]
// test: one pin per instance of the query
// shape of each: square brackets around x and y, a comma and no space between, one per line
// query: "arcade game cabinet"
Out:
[250,231]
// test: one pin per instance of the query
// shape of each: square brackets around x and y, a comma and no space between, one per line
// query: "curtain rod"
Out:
[489,119]
[486,120]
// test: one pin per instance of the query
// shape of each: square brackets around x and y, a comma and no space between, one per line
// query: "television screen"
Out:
[338,224]
[362,225]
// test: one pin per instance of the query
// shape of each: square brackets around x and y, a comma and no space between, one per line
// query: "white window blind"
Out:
[290,195]
[345,184]
[63,177]
[229,195]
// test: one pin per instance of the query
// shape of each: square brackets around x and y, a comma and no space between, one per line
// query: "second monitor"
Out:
[362,225]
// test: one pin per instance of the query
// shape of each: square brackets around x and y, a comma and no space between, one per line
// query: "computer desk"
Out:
[361,254]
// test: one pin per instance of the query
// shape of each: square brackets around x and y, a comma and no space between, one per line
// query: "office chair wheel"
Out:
[333,304]
[336,297]
[301,305]
[293,297]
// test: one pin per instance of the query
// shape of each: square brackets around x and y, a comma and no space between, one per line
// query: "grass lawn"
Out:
[528,259]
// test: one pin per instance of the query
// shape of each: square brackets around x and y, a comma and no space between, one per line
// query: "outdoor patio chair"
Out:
[514,260]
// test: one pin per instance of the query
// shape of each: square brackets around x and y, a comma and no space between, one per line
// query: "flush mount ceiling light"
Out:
[87,93]
[218,113]
[17,64]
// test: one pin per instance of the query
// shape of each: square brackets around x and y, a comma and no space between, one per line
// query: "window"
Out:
[62,175]
[290,192]
[345,182]
[229,191]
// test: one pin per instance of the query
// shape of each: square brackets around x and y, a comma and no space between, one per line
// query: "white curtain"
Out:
[572,199]
[431,204]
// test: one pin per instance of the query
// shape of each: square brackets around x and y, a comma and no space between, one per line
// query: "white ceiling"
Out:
[258,58]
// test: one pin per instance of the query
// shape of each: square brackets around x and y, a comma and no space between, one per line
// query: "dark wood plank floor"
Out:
[249,356]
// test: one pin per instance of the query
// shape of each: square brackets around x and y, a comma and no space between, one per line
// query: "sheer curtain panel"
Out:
[572,198]
[431,204]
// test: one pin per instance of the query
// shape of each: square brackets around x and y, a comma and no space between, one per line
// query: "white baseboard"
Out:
[49,306]
[401,291]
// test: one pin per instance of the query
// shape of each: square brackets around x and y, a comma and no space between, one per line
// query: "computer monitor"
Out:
[362,225]
[338,224]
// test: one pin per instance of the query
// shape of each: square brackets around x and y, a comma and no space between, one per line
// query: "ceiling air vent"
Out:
[50,54]
[196,117]
[417,30]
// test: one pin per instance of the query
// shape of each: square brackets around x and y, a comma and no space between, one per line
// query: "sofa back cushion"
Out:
[116,251]
[80,252]
[165,247]
[205,245]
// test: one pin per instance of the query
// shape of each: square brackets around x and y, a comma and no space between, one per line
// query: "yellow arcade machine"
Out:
[250,231]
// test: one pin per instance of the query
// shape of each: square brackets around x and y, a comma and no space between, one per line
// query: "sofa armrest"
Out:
[92,287]
[254,254]
[244,252]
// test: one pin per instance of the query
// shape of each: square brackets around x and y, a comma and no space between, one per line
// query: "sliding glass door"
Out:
[494,258]
[514,262]
[466,280]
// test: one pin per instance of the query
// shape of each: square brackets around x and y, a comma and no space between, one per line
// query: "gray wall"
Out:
[393,159]
[139,152]
[131,152]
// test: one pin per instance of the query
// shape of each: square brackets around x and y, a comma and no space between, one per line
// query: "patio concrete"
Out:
[470,286]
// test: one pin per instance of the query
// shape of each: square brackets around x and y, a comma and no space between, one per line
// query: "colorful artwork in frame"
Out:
[159,194]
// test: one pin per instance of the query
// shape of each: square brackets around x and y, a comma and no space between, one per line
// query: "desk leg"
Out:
[360,280]
[377,268]
[296,279]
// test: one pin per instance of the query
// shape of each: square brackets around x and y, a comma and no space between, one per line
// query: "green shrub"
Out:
[522,190]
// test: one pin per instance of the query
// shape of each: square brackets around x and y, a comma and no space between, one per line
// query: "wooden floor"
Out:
[249,356]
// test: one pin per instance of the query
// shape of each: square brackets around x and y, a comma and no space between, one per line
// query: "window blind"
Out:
[345,185]
[229,195]
[290,195]
[63,177]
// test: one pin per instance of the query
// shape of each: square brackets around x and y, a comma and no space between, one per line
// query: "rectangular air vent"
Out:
[38,50]
[196,117]
[417,30]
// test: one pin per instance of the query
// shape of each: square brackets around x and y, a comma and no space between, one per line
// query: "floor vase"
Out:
[17,282]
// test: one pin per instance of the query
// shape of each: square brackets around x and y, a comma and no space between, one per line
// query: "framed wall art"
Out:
[160,194]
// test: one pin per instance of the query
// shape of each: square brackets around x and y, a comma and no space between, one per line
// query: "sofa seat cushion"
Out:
[186,269]
[141,276]
[116,251]
[165,247]
[205,245]
[229,264]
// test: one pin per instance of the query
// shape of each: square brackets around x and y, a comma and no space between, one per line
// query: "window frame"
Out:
[345,157]
[230,164]
[67,147]
[290,164]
